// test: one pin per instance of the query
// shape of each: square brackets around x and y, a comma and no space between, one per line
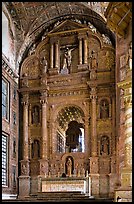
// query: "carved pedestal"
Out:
[82,67]
[94,176]
[95,185]
[24,180]
[53,71]
[24,186]
[112,184]
[44,167]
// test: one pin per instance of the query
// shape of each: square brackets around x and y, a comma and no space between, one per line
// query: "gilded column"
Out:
[44,128]
[80,50]
[113,125]
[25,126]
[51,55]
[128,128]
[30,121]
[24,178]
[94,163]
[93,122]
[126,172]
[87,149]
[54,136]
[56,55]
[85,50]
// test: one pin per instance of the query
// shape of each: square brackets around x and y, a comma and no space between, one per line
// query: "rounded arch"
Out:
[91,35]
[25,65]
[55,109]
[69,113]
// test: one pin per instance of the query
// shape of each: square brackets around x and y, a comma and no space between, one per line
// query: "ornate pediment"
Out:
[67,26]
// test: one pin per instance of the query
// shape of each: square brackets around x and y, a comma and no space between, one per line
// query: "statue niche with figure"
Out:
[104,148]
[93,60]
[69,166]
[35,149]
[104,109]
[67,59]
[44,65]
[35,115]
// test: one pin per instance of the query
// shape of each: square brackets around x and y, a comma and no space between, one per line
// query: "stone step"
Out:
[60,197]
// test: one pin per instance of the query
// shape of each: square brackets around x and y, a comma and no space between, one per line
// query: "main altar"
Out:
[68,114]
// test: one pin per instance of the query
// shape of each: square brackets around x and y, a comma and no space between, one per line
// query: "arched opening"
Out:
[70,130]
[75,137]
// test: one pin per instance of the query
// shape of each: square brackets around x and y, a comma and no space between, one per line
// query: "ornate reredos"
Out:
[67,34]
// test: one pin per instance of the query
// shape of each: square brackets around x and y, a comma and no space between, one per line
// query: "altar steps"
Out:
[60,197]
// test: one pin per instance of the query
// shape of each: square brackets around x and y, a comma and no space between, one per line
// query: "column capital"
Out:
[54,40]
[44,92]
[25,99]
[93,92]
[43,101]
[82,35]
[128,100]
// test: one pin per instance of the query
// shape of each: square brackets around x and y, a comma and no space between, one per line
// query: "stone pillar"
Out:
[80,51]
[85,50]
[51,55]
[93,97]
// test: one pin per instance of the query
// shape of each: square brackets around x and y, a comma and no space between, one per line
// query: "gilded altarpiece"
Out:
[67,84]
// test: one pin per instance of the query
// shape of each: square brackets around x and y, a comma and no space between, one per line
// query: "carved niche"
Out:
[104,146]
[35,150]
[35,115]
[104,109]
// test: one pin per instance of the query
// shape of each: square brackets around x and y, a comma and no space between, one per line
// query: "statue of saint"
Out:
[93,60]
[44,65]
[35,115]
[69,167]
[129,57]
[35,149]
[23,169]
[104,145]
[104,110]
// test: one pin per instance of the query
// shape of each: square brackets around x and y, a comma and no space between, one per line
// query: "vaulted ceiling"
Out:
[30,20]
[119,15]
